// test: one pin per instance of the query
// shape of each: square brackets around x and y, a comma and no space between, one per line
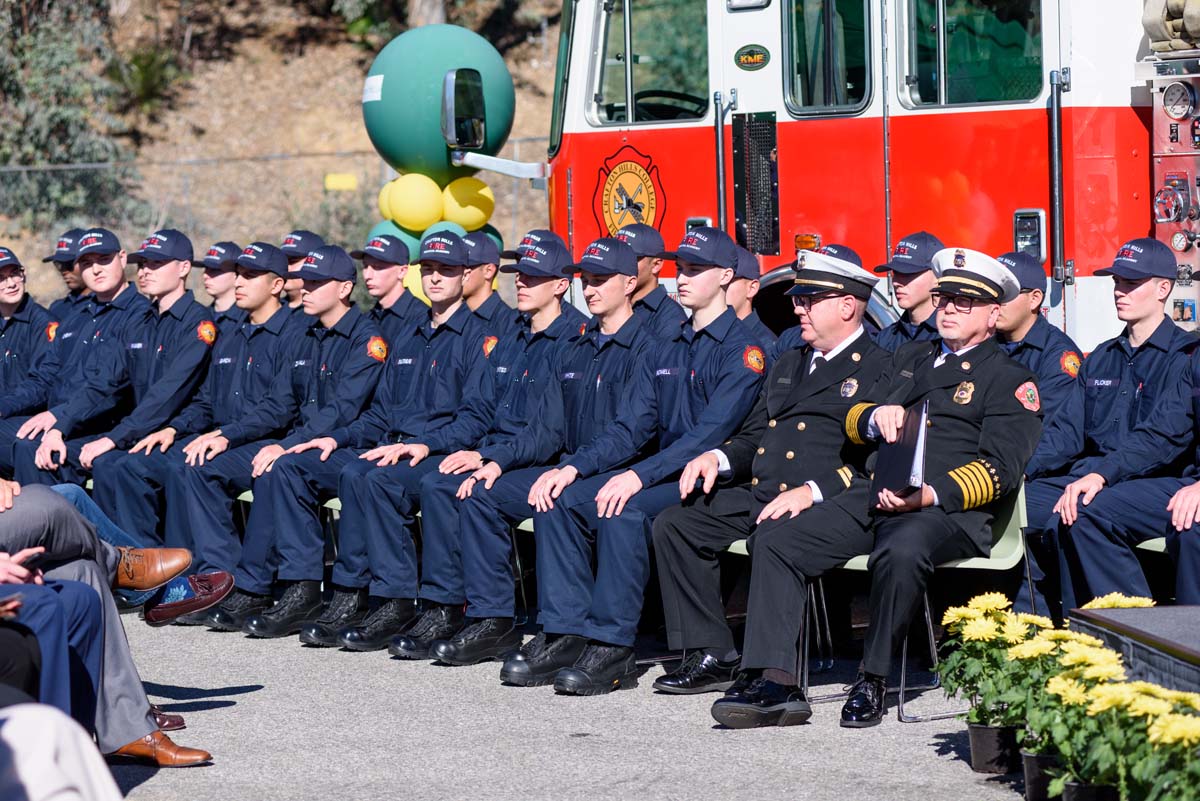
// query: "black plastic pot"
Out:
[1037,779]
[994,748]
[1077,791]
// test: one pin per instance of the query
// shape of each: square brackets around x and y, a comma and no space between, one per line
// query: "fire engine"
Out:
[1056,127]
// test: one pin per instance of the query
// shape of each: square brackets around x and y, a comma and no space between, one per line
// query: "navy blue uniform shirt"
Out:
[424,385]
[399,319]
[331,376]
[590,380]
[499,319]
[1129,414]
[26,341]
[764,336]
[91,353]
[244,366]
[66,306]
[165,368]
[905,330]
[699,388]
[660,314]
[1054,358]
[518,375]
[227,321]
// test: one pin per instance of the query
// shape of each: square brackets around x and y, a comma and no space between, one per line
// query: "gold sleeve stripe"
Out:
[961,488]
[845,475]
[989,486]
[978,487]
[852,418]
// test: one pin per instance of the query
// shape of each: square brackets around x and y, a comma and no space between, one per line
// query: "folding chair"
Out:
[1156,545]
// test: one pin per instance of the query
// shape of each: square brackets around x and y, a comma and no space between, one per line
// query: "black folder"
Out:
[900,465]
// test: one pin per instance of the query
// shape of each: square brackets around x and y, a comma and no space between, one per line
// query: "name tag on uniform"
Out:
[784,381]
[225,360]
[1102,382]
[68,334]
[135,345]
[570,376]
[666,371]
[404,361]
[300,363]
[501,369]
[906,374]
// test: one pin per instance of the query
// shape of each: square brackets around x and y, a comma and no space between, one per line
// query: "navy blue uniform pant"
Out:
[65,618]
[131,490]
[1102,541]
[8,443]
[284,536]
[1053,583]
[605,606]
[199,507]
[25,471]
[486,521]
[378,527]
[441,538]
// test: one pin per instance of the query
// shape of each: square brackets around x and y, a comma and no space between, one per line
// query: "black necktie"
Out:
[817,361]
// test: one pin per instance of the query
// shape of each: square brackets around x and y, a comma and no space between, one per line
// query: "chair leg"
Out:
[1029,578]
[901,715]
[824,630]
[805,639]
[519,575]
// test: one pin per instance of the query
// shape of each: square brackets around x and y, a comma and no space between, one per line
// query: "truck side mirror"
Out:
[463,110]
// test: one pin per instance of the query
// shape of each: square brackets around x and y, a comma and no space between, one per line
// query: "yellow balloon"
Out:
[382,202]
[468,202]
[414,201]
[412,282]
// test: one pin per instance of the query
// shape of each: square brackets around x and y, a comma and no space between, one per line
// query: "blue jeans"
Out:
[106,530]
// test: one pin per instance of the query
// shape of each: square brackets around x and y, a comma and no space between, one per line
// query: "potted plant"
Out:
[1173,769]
[973,666]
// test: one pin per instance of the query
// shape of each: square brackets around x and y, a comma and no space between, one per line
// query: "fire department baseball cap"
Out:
[98,240]
[64,248]
[265,257]
[706,247]
[1026,268]
[533,237]
[549,258]
[607,256]
[971,274]
[1142,258]
[482,250]
[222,256]
[300,243]
[818,272]
[9,259]
[644,239]
[387,249]
[164,245]
[445,247]
[913,254]
[327,263]
[747,265]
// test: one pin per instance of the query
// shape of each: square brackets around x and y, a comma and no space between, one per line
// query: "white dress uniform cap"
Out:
[973,274]
[820,272]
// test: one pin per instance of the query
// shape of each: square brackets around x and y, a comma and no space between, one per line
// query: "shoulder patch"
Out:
[489,345]
[1027,394]
[1070,363]
[582,329]
[207,332]
[753,358]
[51,331]
[377,348]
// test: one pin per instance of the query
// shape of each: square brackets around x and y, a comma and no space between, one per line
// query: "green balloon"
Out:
[493,235]
[444,225]
[389,228]
[402,98]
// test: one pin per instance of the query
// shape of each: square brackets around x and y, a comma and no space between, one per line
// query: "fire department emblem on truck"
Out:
[628,190]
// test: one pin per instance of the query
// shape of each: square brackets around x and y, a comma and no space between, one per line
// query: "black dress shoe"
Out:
[234,610]
[345,609]
[435,623]
[540,659]
[379,627]
[762,703]
[194,619]
[698,673]
[300,603]
[866,704]
[599,669]
[481,640]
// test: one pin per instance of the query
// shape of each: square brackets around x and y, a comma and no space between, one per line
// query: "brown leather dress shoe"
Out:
[166,720]
[158,749]
[150,568]
[204,590]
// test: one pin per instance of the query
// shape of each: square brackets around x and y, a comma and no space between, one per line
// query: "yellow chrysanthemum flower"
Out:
[1115,600]
[1069,690]
[1151,689]
[1014,631]
[959,614]
[989,602]
[1061,635]
[1104,672]
[1145,706]
[982,629]
[1103,697]
[1032,649]
[1077,653]
[1173,729]
[1035,620]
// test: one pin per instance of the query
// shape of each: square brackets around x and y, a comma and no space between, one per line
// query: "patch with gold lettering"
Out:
[207,332]
[377,348]
[753,358]
[1070,363]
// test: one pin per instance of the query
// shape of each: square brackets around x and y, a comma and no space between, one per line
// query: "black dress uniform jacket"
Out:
[795,433]
[984,423]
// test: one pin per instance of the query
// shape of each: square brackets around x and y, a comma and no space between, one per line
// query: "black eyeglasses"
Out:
[961,303]
[806,302]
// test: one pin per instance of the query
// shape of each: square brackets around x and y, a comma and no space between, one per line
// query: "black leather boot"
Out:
[481,640]
[301,602]
[346,608]
[378,628]
[436,623]
[233,611]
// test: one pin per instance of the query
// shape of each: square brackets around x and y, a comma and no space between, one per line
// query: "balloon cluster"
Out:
[402,105]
